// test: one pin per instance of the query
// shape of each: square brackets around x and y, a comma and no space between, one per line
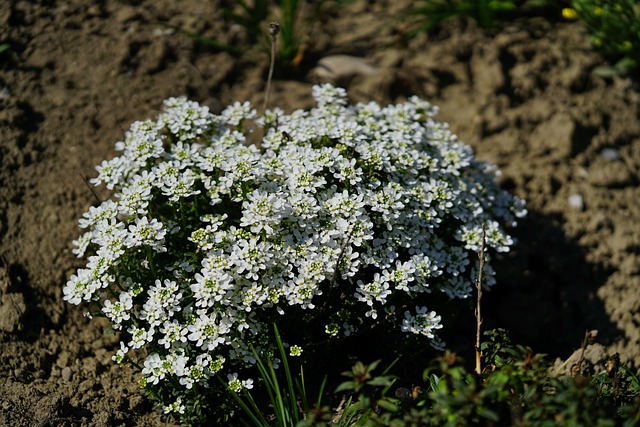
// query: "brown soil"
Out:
[78,73]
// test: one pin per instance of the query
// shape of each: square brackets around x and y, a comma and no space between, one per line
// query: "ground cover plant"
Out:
[345,218]
[516,387]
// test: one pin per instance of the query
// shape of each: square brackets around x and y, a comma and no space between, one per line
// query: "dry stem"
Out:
[274,29]
[478,313]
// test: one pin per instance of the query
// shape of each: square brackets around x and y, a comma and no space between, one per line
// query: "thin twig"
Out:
[478,313]
[274,29]
[334,278]
[589,338]
[86,181]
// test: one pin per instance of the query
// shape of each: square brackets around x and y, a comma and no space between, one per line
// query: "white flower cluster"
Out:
[345,212]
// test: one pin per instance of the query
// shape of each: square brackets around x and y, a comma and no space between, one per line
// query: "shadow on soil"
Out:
[546,294]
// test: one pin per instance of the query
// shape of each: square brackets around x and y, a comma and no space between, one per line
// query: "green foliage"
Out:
[515,388]
[290,42]
[294,17]
[288,399]
[428,15]
[615,30]
[253,18]
[485,12]
[4,46]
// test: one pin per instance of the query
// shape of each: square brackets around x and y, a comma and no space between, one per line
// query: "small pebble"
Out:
[610,154]
[582,173]
[337,67]
[576,202]
[66,373]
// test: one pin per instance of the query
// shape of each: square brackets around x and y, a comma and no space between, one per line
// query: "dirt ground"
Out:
[78,73]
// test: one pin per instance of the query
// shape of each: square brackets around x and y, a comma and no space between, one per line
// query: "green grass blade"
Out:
[293,407]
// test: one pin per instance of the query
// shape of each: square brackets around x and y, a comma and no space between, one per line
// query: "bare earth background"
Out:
[78,73]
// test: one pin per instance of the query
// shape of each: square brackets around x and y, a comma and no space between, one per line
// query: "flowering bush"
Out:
[344,218]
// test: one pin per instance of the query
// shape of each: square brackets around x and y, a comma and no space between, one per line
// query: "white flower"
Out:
[237,385]
[209,331]
[164,300]
[211,286]
[118,312]
[141,143]
[348,329]
[179,185]
[199,372]
[236,113]
[174,407]
[139,336]
[106,211]
[262,211]
[347,172]
[251,256]
[78,286]
[111,172]
[327,94]
[133,200]
[145,232]
[111,237]
[81,244]
[121,353]
[423,322]
[295,351]
[376,291]
[173,332]
[154,369]
[186,120]
[402,276]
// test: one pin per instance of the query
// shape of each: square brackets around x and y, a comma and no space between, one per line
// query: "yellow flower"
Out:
[598,11]
[568,13]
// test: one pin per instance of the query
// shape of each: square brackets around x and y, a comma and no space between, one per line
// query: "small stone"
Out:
[610,154]
[576,202]
[66,374]
[5,93]
[337,67]
[125,14]
[63,359]
[161,32]
[582,173]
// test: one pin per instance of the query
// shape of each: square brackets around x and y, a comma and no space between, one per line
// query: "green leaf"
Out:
[388,405]
[488,414]
[606,71]
[347,385]
[380,381]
